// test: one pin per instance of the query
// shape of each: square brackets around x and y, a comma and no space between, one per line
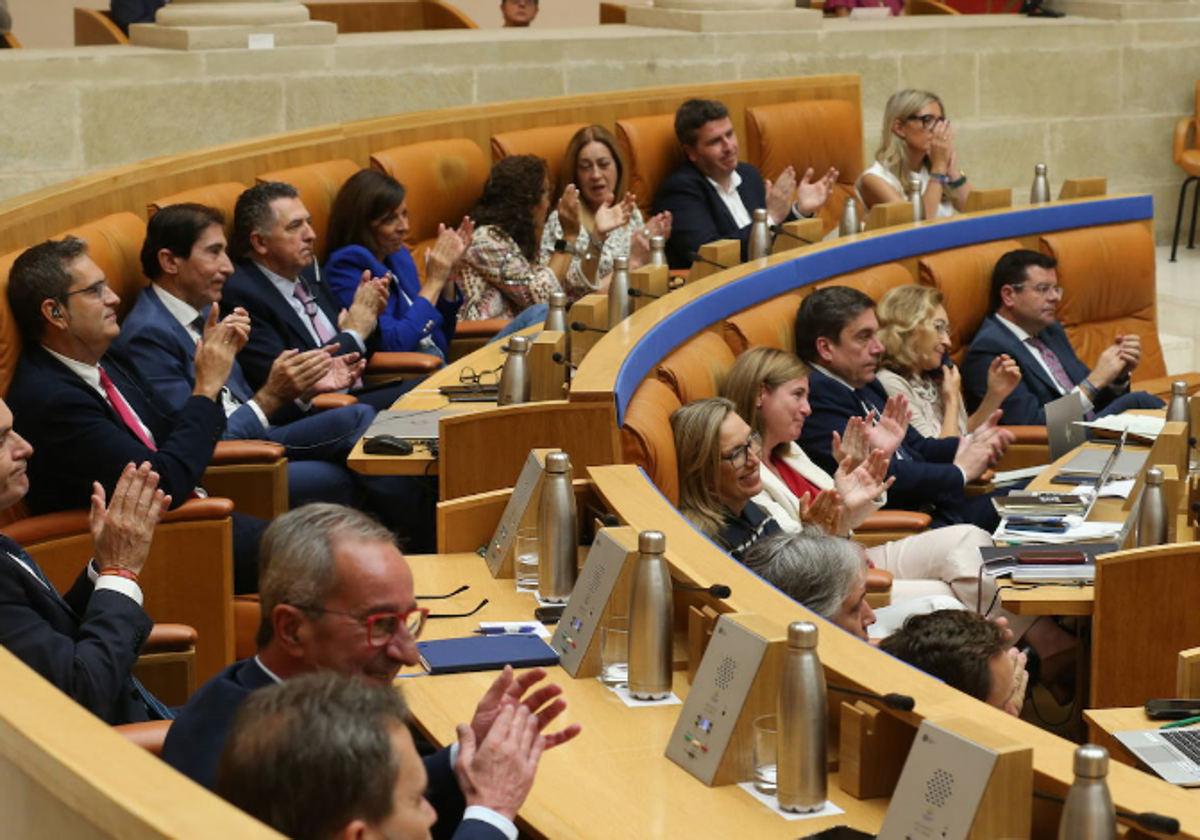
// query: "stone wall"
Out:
[1089,97]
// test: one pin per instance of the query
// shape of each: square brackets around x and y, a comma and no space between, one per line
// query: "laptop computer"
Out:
[1062,429]
[409,425]
[1173,754]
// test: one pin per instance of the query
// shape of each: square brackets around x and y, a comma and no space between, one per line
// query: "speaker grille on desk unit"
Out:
[939,788]
[593,582]
[726,672]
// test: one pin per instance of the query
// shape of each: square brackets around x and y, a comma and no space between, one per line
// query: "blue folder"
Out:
[485,653]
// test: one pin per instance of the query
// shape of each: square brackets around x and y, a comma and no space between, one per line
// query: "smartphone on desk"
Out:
[1049,557]
[1172,709]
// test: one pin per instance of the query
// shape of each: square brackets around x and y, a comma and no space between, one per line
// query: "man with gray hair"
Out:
[336,594]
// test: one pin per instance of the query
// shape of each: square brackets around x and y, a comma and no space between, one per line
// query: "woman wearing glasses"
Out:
[917,140]
[367,227]
[915,332]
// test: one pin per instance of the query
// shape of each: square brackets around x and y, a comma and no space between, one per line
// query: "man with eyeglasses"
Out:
[336,594]
[88,415]
[518,13]
[1024,324]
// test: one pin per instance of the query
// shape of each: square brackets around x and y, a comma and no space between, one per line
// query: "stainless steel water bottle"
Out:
[802,721]
[1088,813]
[514,379]
[658,250]
[914,198]
[618,292]
[1179,411]
[1152,518]
[849,224]
[556,314]
[651,620]
[1040,193]
[557,564]
[759,245]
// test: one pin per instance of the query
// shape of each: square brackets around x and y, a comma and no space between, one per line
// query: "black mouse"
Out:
[387,445]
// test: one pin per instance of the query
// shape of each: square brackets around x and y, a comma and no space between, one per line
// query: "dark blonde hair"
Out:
[905,325]
[697,430]
[893,149]
[755,368]
[570,163]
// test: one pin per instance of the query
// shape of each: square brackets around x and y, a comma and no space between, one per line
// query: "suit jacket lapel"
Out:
[300,334]
[11,551]
[1024,356]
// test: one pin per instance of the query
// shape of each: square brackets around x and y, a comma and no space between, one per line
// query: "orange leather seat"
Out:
[874,282]
[318,184]
[816,134]
[222,196]
[771,323]
[651,151]
[646,437]
[964,277]
[549,143]
[696,369]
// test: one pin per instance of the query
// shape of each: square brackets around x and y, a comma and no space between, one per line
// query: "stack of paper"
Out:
[1138,425]
[1077,531]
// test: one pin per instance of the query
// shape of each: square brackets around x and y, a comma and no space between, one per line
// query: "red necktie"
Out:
[123,410]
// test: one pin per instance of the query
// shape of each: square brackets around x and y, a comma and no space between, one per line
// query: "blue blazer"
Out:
[401,326]
[85,643]
[1026,405]
[78,437]
[699,216]
[923,467]
[274,325]
[197,737]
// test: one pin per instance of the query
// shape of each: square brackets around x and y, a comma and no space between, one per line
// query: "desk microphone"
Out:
[717,590]
[900,702]
[579,326]
[694,257]
[1158,823]
[778,229]
[560,359]
[639,293]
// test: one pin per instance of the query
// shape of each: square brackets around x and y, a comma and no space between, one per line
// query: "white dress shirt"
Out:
[125,586]
[91,375]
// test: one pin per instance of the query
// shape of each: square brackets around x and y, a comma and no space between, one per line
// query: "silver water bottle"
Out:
[849,224]
[1040,193]
[802,723]
[1179,411]
[556,314]
[914,198]
[618,292]
[557,565]
[1088,813]
[514,379]
[651,620]
[1152,518]
[658,250]
[759,246]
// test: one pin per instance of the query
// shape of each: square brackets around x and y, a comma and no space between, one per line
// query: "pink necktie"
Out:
[1053,362]
[313,312]
[123,410]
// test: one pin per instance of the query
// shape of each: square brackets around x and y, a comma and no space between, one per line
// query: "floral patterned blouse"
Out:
[497,281]
[617,244]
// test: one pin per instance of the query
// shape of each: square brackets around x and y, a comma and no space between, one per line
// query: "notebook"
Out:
[485,653]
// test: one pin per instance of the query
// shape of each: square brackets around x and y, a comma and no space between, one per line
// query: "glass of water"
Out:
[764,753]
[614,652]
[527,558]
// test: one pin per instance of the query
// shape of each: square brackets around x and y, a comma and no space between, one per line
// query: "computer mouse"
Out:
[387,445]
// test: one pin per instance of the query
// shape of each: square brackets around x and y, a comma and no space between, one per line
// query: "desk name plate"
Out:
[520,511]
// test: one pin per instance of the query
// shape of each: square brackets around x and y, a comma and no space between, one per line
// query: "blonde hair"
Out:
[697,430]
[893,149]
[906,325]
[755,368]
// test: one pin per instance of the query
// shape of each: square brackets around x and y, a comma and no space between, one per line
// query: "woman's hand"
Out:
[1004,375]
[611,216]
[941,147]
[639,243]
[825,511]
[861,486]
[568,212]
[951,386]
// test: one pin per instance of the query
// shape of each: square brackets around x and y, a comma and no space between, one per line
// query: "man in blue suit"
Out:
[336,594]
[712,196]
[184,255]
[1023,324]
[836,333]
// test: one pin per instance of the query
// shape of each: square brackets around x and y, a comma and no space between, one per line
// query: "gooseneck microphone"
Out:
[695,257]
[634,292]
[560,359]
[899,702]
[779,229]
[579,326]
[1158,823]
[717,590]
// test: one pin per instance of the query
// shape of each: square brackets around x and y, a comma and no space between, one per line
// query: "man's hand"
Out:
[983,448]
[1131,351]
[887,433]
[122,530]
[498,772]
[1003,376]
[217,349]
[370,298]
[508,690]
[852,443]
[344,371]
[814,194]
[998,437]
[825,511]
[1110,366]
[779,196]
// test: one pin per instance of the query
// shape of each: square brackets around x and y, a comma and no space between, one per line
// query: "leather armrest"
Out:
[1029,435]
[1183,127]
[895,520]
[483,328]
[879,580]
[149,735]
[246,452]
[403,363]
[170,637]
[65,523]
[325,402]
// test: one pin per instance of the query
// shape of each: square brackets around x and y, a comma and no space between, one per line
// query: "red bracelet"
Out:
[120,572]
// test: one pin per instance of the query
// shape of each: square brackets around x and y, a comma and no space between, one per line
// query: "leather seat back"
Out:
[816,133]
[964,277]
[651,152]
[443,180]
[318,184]
[646,438]
[1107,275]
[549,143]
[874,282]
[221,196]
[771,323]
[696,369]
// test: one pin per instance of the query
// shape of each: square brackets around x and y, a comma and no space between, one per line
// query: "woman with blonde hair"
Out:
[594,164]
[915,331]
[918,141]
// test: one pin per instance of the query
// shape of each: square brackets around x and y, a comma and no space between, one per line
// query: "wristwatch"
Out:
[562,246]
[962,179]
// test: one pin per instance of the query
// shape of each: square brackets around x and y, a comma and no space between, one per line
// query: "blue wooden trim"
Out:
[755,288]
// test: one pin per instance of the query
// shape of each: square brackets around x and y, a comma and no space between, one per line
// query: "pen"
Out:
[504,631]
[1177,723]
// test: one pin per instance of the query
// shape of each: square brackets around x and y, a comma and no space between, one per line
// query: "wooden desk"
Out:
[1102,723]
[613,780]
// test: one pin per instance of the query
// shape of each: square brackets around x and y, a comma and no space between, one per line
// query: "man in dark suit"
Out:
[712,196]
[88,415]
[1023,324]
[336,594]
[86,642]
[184,255]
[276,280]
[836,333]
